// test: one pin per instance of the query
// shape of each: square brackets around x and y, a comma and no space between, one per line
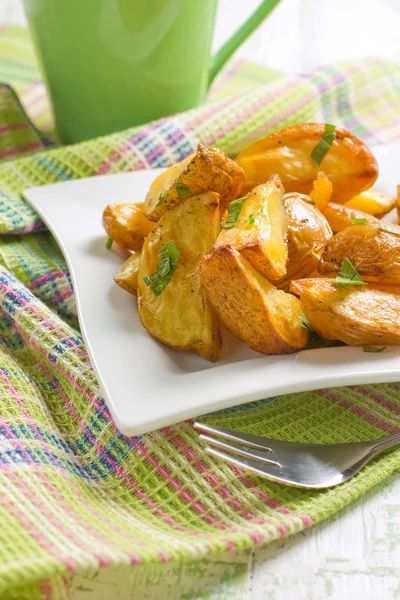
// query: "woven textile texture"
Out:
[74,492]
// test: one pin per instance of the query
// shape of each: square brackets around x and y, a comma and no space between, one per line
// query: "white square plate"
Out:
[147,385]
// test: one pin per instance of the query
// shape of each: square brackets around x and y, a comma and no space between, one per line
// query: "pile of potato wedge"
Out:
[283,246]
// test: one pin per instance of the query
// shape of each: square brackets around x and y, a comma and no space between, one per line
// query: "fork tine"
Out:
[254,441]
[270,471]
[238,449]
[258,468]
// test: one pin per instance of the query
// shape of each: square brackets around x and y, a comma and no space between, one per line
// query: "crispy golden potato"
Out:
[181,316]
[127,276]
[262,238]
[321,192]
[373,251]
[127,225]
[349,164]
[209,169]
[308,234]
[267,319]
[354,315]
[373,202]
[340,216]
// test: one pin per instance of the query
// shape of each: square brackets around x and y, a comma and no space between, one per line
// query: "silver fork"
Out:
[303,465]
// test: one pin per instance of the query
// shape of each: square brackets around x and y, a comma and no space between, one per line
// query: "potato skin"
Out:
[340,216]
[355,315]
[209,169]
[263,242]
[127,225]
[256,312]
[128,275]
[373,252]
[181,316]
[349,164]
[373,202]
[308,234]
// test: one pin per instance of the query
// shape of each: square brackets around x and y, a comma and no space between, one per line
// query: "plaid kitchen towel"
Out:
[74,492]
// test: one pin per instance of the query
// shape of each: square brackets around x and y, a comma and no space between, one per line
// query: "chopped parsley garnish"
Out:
[390,228]
[374,348]
[161,196]
[166,268]
[321,149]
[182,190]
[348,275]
[109,243]
[359,220]
[234,210]
[305,323]
[252,219]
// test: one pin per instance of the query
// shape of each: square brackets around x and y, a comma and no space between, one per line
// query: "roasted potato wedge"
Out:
[341,216]
[354,315]
[349,164]
[181,316]
[127,276]
[373,202]
[308,234]
[262,238]
[267,319]
[373,250]
[127,225]
[209,169]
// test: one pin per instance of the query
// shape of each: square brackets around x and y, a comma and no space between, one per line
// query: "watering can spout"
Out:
[255,19]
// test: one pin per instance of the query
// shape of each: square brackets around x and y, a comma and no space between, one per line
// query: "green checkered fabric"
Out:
[75,494]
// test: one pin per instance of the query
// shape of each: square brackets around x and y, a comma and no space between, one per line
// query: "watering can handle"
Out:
[255,19]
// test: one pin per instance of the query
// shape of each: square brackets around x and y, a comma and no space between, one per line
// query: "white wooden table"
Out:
[355,555]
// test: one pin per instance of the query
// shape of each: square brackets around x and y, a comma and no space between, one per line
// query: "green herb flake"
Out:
[305,323]
[323,146]
[161,196]
[374,348]
[234,210]
[158,281]
[182,190]
[395,229]
[348,275]
[170,251]
[359,220]
[252,219]
[109,243]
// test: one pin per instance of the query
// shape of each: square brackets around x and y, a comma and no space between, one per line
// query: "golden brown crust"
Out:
[349,163]
[308,234]
[127,225]
[355,315]
[373,202]
[209,169]
[256,312]
[340,216]
[373,252]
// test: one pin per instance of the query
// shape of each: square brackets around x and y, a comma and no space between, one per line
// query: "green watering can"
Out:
[113,64]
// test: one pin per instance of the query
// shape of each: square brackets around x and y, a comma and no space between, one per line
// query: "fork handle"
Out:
[387,442]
